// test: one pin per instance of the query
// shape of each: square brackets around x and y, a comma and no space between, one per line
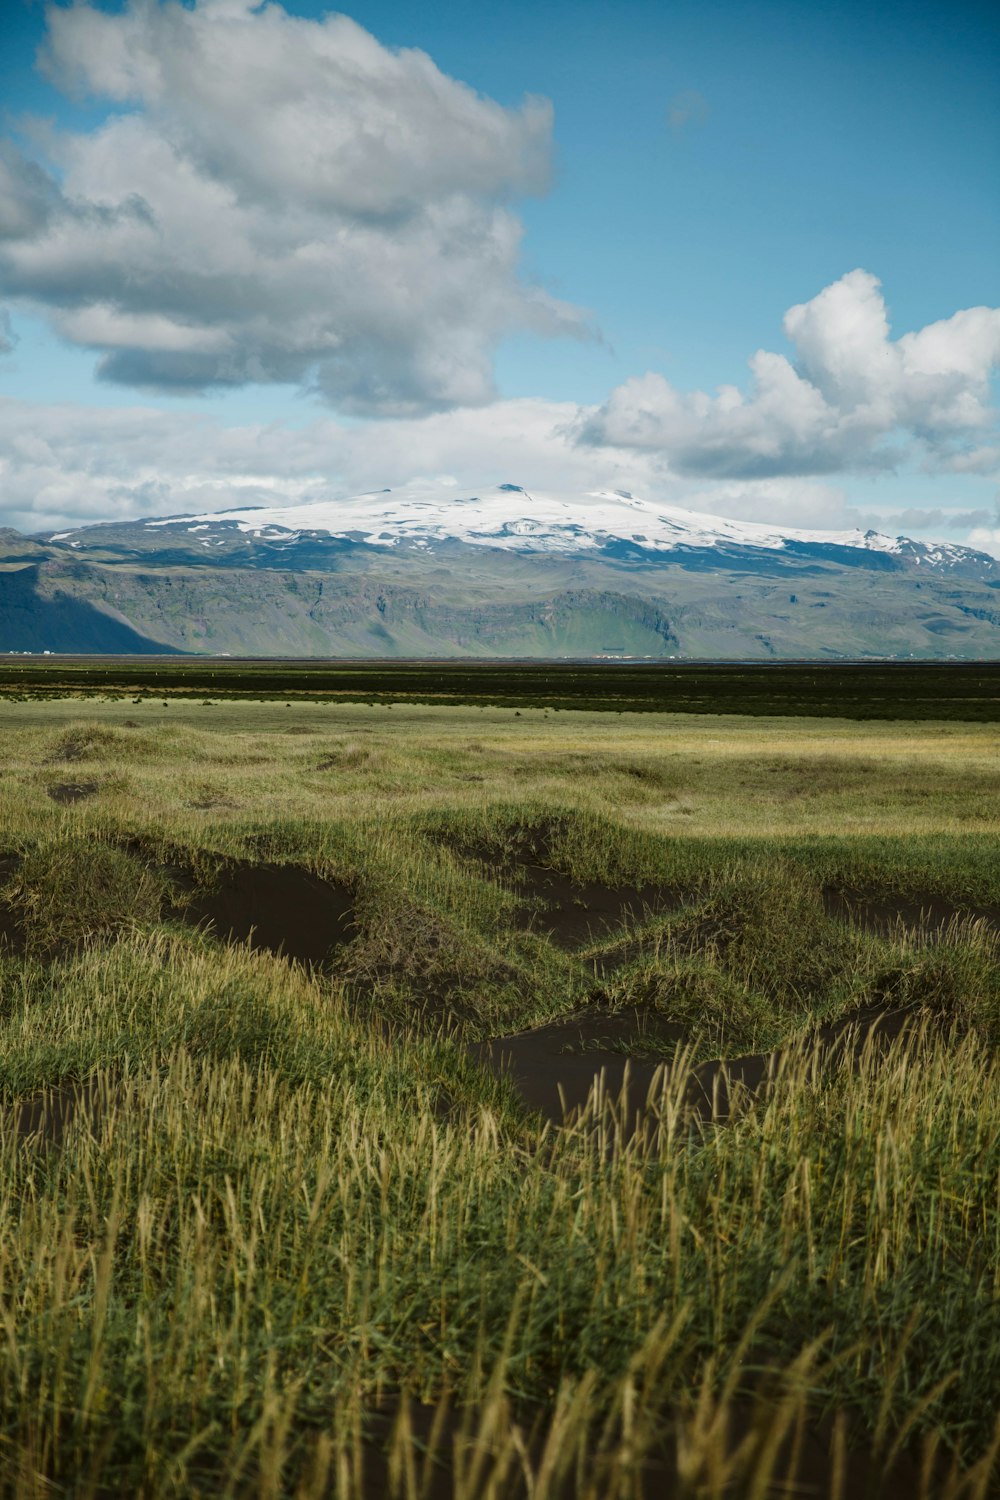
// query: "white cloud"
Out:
[985,539]
[62,465]
[65,465]
[981,460]
[288,109]
[806,504]
[922,518]
[277,199]
[853,399]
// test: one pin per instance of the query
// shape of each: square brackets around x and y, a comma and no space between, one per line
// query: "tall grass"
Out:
[269,1211]
[276,1235]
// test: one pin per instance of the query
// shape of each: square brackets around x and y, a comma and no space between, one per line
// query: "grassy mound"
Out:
[73,891]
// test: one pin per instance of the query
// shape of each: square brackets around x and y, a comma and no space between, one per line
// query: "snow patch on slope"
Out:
[509,516]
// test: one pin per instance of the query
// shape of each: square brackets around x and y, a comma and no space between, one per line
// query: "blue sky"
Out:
[706,167]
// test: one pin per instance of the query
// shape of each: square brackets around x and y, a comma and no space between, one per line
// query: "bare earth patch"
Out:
[68,792]
[555,1068]
[282,909]
[881,912]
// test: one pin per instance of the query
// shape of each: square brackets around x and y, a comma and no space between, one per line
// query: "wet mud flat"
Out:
[43,1117]
[288,910]
[560,1068]
[11,928]
[570,913]
[66,793]
[556,1067]
[576,914]
[573,913]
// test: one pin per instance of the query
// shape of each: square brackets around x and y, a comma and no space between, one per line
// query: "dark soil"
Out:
[880,912]
[11,929]
[554,1067]
[715,1086]
[280,908]
[67,792]
[806,1472]
[12,936]
[571,913]
[45,1116]
[575,913]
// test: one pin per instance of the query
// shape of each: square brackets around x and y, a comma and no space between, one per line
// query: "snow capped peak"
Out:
[513,518]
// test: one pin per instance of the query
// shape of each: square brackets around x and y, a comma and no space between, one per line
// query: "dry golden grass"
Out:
[678,774]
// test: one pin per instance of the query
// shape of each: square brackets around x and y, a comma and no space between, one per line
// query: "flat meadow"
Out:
[462,1103]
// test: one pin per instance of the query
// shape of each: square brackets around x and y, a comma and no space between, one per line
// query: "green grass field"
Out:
[277,1227]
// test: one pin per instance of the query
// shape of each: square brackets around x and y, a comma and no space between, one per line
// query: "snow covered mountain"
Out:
[504,571]
[510,517]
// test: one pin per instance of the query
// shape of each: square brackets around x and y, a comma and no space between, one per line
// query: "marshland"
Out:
[478,1101]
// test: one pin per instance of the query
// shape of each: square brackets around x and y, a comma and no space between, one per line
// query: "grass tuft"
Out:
[71,892]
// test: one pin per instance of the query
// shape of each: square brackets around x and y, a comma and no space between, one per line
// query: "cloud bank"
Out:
[851,399]
[275,199]
[66,465]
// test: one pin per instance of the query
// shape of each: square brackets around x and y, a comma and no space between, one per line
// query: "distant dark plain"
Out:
[960,691]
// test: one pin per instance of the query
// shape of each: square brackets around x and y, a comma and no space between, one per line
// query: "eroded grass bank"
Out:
[291,1228]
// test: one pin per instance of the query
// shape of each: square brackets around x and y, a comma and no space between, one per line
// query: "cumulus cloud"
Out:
[982,460]
[852,398]
[276,199]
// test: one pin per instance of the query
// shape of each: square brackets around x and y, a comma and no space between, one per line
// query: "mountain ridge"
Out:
[431,571]
[596,521]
